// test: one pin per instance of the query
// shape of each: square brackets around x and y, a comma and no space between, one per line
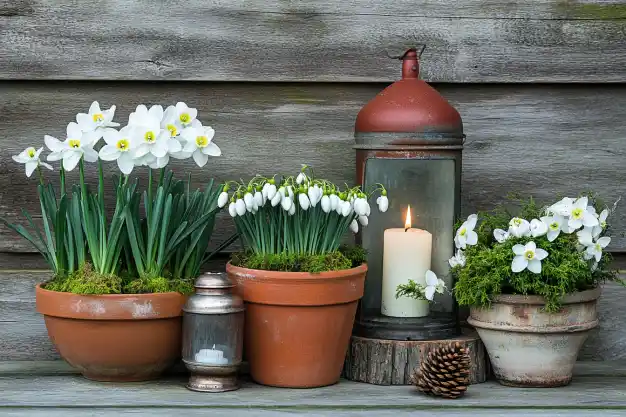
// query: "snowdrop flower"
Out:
[458,259]
[304,201]
[383,203]
[232,210]
[184,114]
[222,199]
[300,178]
[501,235]
[30,157]
[77,145]
[286,203]
[597,229]
[271,191]
[240,207]
[466,234]
[334,201]
[346,208]
[292,209]
[248,200]
[538,228]
[580,216]
[595,249]
[199,143]
[528,256]
[315,194]
[360,206]
[519,227]
[433,284]
[118,148]
[96,120]
[555,225]
[276,199]
[363,220]
[258,199]
[562,208]
[326,204]
[354,226]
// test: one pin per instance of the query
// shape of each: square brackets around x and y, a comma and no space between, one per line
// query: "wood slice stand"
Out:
[391,362]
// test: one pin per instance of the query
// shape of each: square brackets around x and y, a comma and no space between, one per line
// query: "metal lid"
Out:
[214,296]
[213,280]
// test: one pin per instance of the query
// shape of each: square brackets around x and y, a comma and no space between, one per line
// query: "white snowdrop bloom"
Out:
[501,235]
[276,199]
[290,192]
[222,199]
[580,216]
[466,234]
[363,220]
[458,259]
[171,122]
[96,120]
[528,256]
[555,225]
[304,201]
[538,228]
[77,145]
[346,209]
[562,208]
[334,201]
[240,207]
[30,157]
[199,142]
[248,200]
[314,194]
[383,203]
[597,229]
[282,191]
[300,178]
[286,203]
[432,285]
[292,209]
[232,210]
[184,114]
[594,251]
[326,204]
[258,199]
[360,206]
[519,227]
[354,226]
[271,191]
[118,148]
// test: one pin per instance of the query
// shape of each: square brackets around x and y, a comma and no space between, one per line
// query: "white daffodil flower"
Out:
[501,235]
[597,229]
[595,249]
[222,199]
[354,226]
[528,256]
[458,259]
[538,228]
[326,204]
[171,122]
[184,114]
[585,237]
[580,216]
[30,157]
[433,284]
[555,225]
[148,137]
[232,209]
[96,120]
[77,145]
[363,220]
[519,227]
[118,148]
[466,235]
[199,142]
[562,208]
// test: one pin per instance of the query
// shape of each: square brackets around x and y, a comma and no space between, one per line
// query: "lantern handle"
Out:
[419,49]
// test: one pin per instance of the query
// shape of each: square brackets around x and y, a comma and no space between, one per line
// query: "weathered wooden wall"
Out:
[539,86]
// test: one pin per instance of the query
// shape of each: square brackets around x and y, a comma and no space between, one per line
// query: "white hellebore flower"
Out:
[98,121]
[597,229]
[595,249]
[466,234]
[458,259]
[232,210]
[433,284]
[555,225]
[383,203]
[354,226]
[30,157]
[501,235]
[528,256]
[519,227]
[199,143]
[538,228]
[184,114]
[581,216]
[118,148]
[222,199]
[77,145]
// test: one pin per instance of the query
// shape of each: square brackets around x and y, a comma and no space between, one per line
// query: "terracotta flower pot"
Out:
[126,337]
[529,347]
[298,325]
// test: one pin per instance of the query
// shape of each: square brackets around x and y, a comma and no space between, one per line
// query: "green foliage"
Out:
[293,262]
[487,270]
[412,289]
[355,253]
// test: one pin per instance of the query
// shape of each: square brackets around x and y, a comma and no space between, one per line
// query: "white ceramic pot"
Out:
[529,347]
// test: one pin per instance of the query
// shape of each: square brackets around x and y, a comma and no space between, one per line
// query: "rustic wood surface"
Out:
[314,412]
[534,139]
[393,362]
[468,41]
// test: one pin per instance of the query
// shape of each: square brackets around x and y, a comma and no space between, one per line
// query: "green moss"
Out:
[147,285]
[357,254]
[87,281]
[289,262]
[597,11]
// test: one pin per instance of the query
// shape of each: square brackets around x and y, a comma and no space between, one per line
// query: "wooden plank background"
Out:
[540,87]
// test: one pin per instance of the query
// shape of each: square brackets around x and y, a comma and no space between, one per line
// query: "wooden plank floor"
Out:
[598,389]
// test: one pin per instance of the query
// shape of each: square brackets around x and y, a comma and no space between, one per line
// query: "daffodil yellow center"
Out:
[122,145]
[577,213]
[462,232]
[185,117]
[31,152]
[74,143]
[149,137]
[598,247]
[529,255]
[172,129]
[517,222]
[554,226]
[202,141]
[98,117]
[603,225]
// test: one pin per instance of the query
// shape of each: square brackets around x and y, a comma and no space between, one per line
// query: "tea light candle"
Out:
[211,357]
[406,255]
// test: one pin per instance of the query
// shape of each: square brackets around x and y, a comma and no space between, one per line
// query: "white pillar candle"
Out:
[211,357]
[406,255]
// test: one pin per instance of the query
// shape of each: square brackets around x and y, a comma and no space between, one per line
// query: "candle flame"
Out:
[407,223]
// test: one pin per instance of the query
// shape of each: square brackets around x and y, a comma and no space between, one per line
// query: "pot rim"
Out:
[571,298]
[300,276]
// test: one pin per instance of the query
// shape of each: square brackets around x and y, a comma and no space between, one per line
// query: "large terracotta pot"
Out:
[529,347]
[298,325]
[125,337]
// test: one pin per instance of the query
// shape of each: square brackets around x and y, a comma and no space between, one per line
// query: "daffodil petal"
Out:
[553,234]
[90,154]
[429,293]
[70,160]
[431,278]
[31,166]
[159,148]
[125,163]
[589,220]
[604,241]
[109,153]
[200,158]
[212,149]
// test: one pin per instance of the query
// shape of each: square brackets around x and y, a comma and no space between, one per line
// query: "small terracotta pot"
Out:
[125,337]
[298,325]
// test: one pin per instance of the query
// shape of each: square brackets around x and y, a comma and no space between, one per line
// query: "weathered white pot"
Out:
[529,347]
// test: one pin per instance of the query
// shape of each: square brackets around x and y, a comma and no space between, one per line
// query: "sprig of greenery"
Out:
[412,289]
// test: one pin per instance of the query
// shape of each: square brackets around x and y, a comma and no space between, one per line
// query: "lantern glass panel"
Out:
[213,339]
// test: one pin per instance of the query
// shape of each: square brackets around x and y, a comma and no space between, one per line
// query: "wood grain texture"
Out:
[255,40]
[533,139]
[393,362]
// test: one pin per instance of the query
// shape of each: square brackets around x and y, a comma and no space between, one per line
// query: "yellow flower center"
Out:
[122,145]
[202,141]
[149,137]
[517,222]
[172,129]
[598,247]
[603,225]
[529,254]
[31,152]
[185,117]
[98,117]
[554,226]
[577,213]
[74,143]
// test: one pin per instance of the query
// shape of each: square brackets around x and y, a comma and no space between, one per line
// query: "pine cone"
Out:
[445,372]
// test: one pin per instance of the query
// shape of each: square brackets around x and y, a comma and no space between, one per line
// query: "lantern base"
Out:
[435,326]
[213,383]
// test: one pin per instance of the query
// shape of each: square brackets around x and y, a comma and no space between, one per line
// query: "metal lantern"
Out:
[213,334]
[410,139]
